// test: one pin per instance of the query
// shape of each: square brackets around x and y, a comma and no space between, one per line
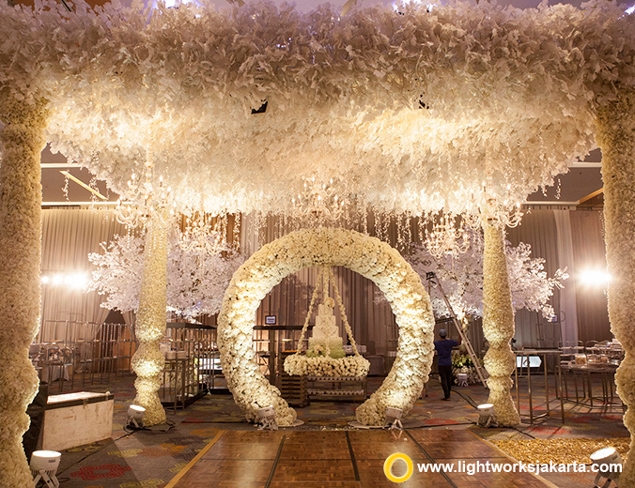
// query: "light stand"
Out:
[486,415]
[45,464]
[609,463]
[135,417]
[267,418]
[393,418]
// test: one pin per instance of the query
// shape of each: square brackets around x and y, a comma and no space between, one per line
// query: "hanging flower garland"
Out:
[616,137]
[21,141]
[365,255]
[430,104]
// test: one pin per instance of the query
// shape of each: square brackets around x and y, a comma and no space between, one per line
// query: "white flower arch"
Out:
[365,255]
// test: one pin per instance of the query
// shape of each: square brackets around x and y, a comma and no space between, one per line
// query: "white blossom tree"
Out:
[461,276]
[196,279]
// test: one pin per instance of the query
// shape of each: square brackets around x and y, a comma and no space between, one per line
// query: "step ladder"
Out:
[433,282]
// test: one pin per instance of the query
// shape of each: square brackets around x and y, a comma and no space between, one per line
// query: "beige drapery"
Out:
[68,236]
[589,252]
[565,238]
[571,238]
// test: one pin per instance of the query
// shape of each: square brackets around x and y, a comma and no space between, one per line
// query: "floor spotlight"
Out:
[44,464]
[609,466]
[267,418]
[135,416]
[486,415]
[393,418]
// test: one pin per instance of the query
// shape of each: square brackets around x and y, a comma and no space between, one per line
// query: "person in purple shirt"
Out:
[444,351]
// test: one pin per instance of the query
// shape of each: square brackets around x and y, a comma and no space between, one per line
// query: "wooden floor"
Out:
[342,459]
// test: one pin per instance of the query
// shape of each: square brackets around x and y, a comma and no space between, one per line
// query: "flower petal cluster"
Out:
[21,141]
[365,255]
[498,327]
[429,104]
[147,361]
[616,137]
[299,365]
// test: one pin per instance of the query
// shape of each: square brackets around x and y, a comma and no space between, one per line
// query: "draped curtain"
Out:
[587,236]
[68,236]
[571,239]
[565,238]
[538,228]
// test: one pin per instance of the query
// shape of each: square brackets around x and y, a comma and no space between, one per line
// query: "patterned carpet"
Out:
[151,458]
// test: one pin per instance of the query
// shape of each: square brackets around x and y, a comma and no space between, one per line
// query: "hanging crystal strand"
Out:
[399,244]
[408,228]
[421,229]
[379,228]
[237,228]
[386,218]
[325,294]
[225,240]
[259,228]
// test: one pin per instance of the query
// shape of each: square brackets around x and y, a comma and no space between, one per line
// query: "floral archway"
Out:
[365,255]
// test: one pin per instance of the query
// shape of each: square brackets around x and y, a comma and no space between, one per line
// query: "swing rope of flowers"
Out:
[325,354]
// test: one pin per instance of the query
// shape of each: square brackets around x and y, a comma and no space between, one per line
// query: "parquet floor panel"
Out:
[314,470]
[346,459]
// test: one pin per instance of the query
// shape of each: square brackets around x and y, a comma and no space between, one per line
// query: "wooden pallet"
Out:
[293,390]
[336,393]
[344,388]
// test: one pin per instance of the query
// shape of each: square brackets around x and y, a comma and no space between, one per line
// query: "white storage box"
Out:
[76,419]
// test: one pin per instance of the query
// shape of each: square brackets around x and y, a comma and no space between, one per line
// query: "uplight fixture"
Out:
[44,465]
[135,416]
[486,415]
[609,466]
[267,418]
[393,418]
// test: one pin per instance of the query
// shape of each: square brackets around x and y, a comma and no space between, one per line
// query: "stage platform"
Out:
[343,459]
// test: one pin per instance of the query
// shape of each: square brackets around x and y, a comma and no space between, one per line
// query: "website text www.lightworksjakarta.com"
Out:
[474,467]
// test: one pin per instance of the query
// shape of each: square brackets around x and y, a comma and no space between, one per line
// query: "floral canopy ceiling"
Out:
[415,109]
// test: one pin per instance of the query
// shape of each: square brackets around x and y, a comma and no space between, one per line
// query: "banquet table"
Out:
[585,372]
[525,356]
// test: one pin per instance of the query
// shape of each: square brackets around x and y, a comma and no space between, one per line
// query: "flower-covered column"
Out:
[22,141]
[148,361]
[616,137]
[498,326]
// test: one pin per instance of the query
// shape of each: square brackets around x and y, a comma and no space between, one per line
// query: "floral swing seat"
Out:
[325,354]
